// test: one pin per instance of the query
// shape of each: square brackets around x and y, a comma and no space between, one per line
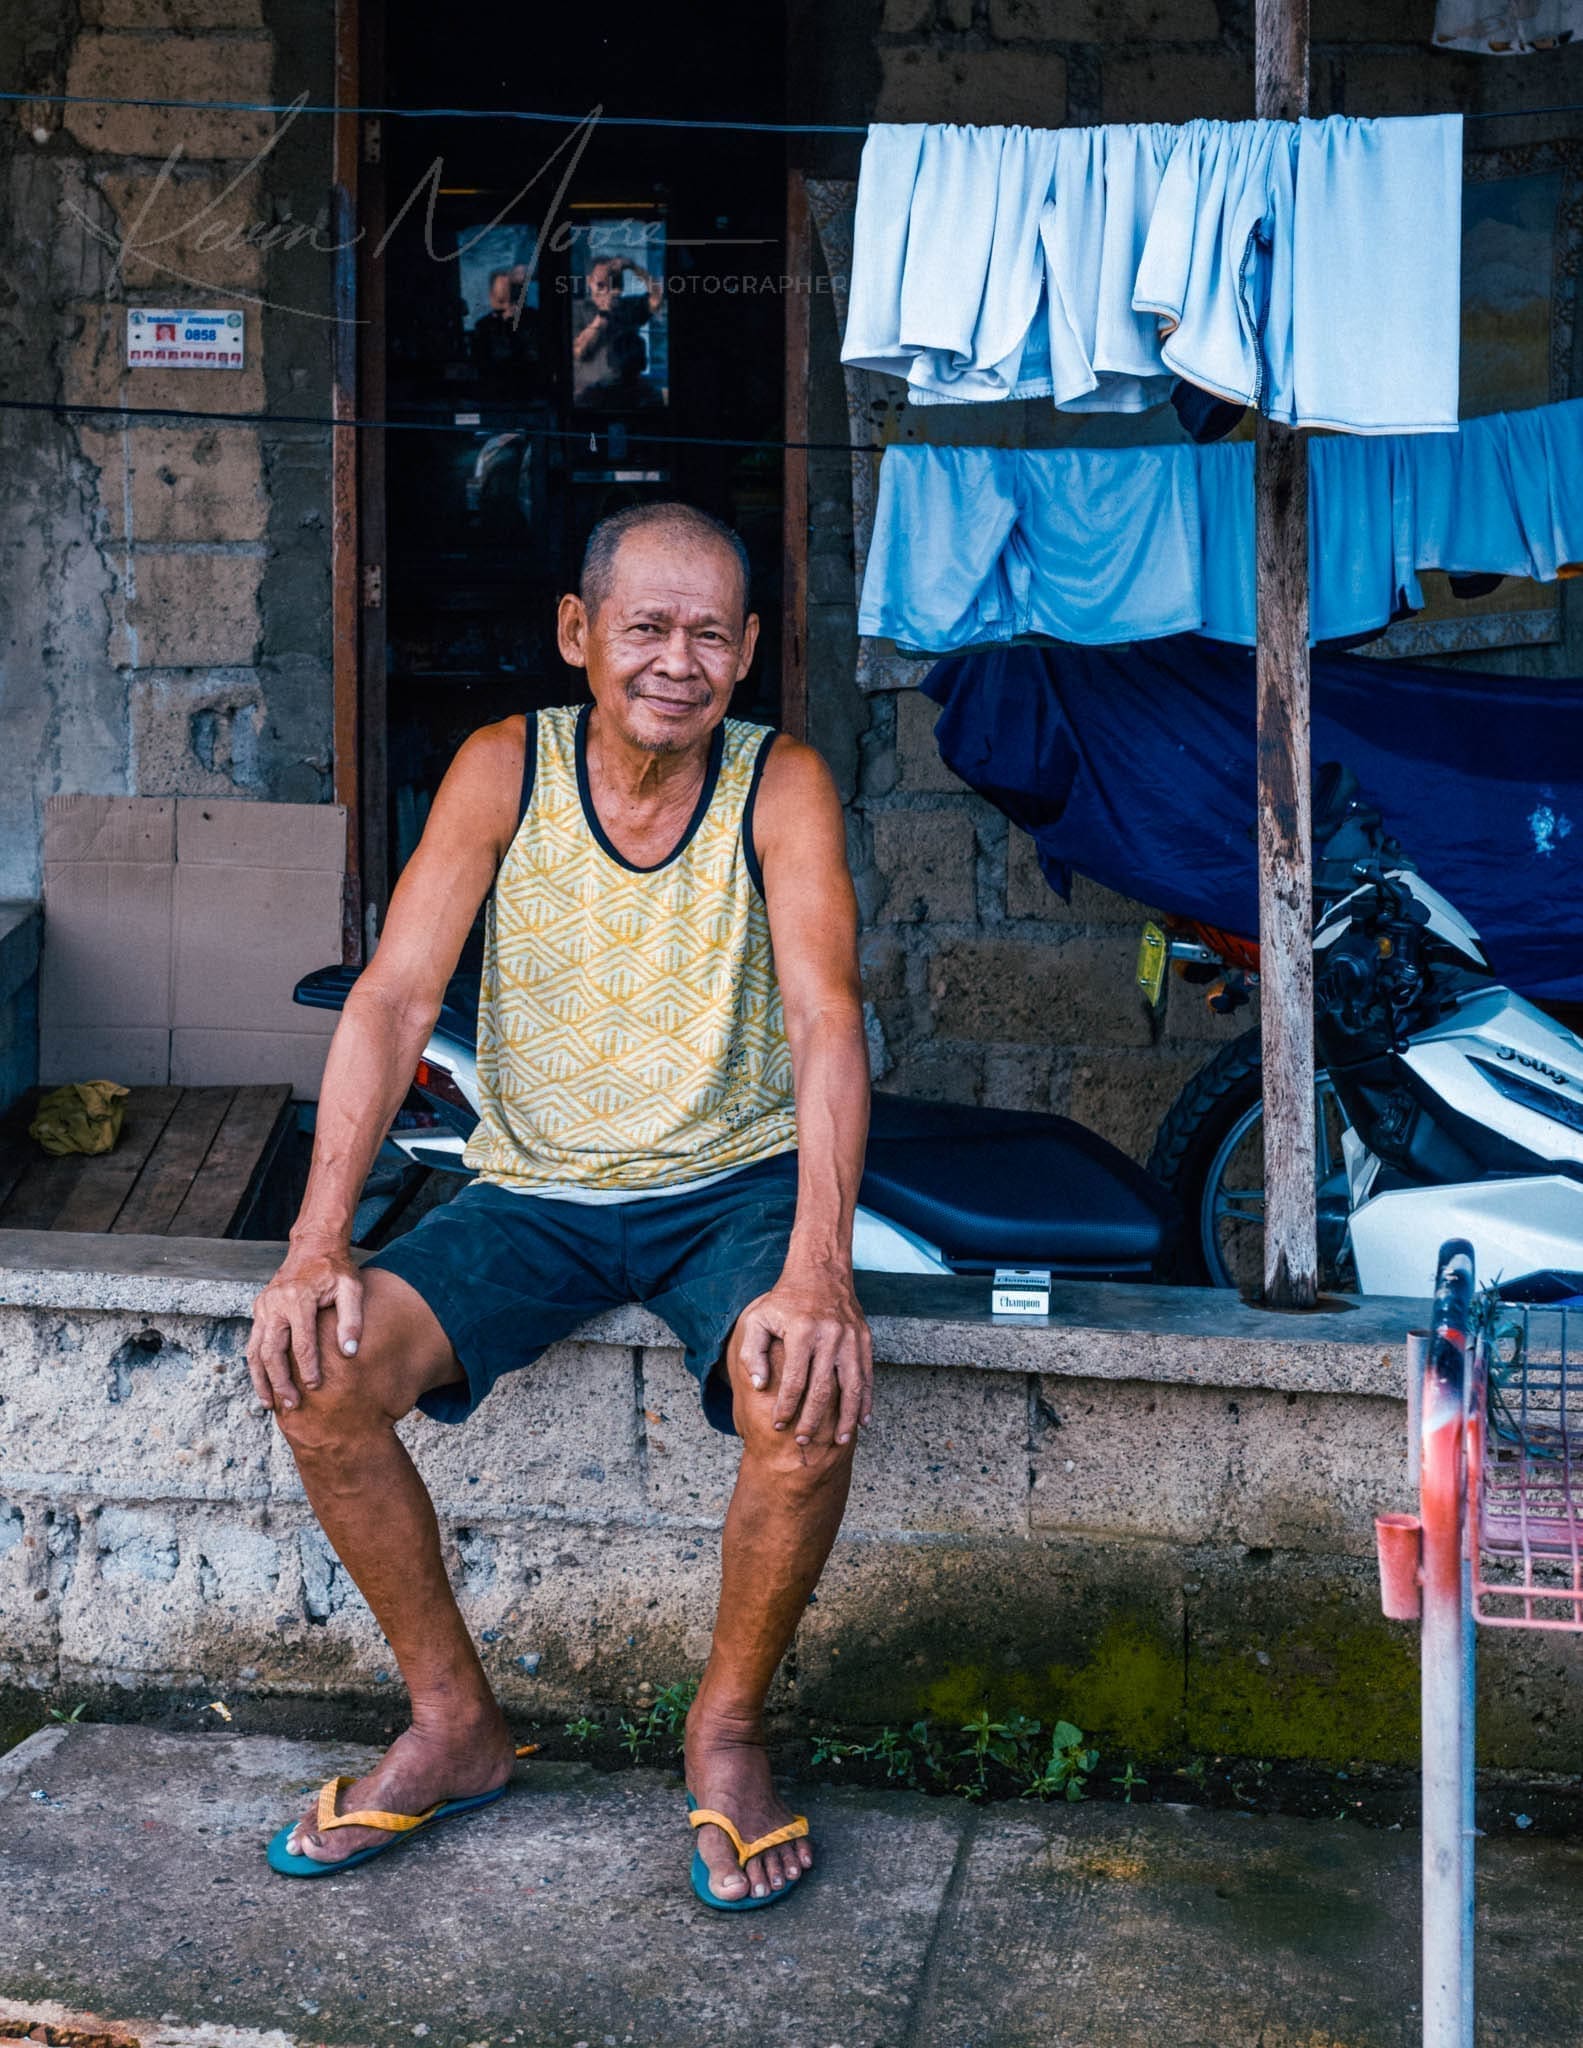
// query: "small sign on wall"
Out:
[183,341]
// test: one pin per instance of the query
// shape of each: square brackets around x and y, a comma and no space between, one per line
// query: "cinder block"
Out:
[906,17]
[1124,1096]
[37,1548]
[1302,1472]
[194,610]
[927,861]
[128,65]
[946,1451]
[200,733]
[181,484]
[1017,1080]
[558,1438]
[1363,21]
[96,372]
[188,232]
[1028,894]
[1102,21]
[928,83]
[919,767]
[1175,86]
[692,1467]
[123,1407]
[1076,991]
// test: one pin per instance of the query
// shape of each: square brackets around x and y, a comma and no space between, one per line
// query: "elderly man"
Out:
[674,1096]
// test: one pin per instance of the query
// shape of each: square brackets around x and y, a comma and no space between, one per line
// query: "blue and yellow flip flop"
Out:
[401,1826]
[703,1817]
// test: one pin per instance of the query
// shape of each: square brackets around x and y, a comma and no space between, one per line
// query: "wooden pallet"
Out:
[190,1162]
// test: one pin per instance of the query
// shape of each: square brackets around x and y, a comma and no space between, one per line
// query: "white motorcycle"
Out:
[1448,1107]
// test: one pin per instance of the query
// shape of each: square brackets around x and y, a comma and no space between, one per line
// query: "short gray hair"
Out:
[687,521]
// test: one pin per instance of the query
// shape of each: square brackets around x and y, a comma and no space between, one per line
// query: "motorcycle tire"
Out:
[1226,1092]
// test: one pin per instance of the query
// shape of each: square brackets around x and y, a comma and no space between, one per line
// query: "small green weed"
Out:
[1068,1767]
[997,1759]
[583,1729]
[1129,1780]
[657,1732]
[60,1714]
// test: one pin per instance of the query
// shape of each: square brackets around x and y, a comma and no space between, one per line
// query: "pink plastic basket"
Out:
[1526,1463]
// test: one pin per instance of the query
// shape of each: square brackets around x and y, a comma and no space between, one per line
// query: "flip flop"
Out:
[402,1827]
[703,1816]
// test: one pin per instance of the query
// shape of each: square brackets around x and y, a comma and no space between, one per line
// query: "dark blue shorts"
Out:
[507,1275]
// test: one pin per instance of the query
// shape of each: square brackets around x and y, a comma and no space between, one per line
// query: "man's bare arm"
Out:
[813,1309]
[387,1020]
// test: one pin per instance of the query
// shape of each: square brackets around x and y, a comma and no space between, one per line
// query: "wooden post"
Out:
[1286,960]
[798,267]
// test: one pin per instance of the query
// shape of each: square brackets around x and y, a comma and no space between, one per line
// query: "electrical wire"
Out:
[594,115]
[617,440]
[598,118]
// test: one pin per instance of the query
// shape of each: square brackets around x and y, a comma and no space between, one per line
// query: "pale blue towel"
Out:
[1311,267]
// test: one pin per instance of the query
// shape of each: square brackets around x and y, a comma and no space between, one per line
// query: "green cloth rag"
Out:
[84,1116]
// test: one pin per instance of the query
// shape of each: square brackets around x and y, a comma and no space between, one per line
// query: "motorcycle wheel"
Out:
[1209,1154]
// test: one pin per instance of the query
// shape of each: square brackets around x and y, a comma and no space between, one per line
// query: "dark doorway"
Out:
[566,309]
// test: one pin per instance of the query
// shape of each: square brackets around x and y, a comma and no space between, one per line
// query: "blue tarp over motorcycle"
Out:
[1137,767]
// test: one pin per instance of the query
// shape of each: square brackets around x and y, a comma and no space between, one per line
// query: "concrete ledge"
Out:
[1153,1515]
[1196,1335]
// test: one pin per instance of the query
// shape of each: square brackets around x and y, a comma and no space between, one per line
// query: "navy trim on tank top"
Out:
[530,763]
[749,850]
[706,796]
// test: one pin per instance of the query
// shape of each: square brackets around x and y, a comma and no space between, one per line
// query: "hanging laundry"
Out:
[1098,546]
[1139,768]
[1515,30]
[1312,267]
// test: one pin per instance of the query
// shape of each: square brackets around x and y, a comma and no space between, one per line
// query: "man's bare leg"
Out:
[376,1512]
[782,1520]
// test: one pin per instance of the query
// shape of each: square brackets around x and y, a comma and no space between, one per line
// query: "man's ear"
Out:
[572,627]
[750,640]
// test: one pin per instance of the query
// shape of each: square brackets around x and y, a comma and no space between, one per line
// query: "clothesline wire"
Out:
[602,120]
[629,437]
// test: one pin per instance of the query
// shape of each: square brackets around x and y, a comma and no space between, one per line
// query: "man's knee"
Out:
[800,1472]
[353,1394]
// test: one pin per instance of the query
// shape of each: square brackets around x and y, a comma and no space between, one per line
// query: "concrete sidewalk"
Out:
[134,1889]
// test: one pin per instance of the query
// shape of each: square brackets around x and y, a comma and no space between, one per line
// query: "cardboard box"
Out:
[174,931]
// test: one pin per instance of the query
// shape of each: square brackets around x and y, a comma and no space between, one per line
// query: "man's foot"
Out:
[415,1773]
[728,1769]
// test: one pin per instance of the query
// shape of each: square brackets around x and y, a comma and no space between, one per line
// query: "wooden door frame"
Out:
[798,274]
[357,472]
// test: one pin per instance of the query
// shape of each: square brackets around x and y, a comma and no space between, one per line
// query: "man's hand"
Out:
[286,1321]
[827,1355]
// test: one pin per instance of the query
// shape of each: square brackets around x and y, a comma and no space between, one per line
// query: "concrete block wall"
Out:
[164,585]
[1154,1524]
[984,986]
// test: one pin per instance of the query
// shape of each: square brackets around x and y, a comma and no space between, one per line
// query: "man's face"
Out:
[604,284]
[669,643]
[500,293]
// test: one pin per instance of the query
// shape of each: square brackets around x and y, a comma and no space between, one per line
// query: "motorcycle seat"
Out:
[1013,1187]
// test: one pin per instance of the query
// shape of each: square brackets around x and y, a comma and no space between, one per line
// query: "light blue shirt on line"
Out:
[1100,545]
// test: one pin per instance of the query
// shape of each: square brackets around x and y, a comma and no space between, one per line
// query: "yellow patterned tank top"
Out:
[630,1032]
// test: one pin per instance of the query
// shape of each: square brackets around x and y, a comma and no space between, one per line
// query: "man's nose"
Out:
[677,657]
